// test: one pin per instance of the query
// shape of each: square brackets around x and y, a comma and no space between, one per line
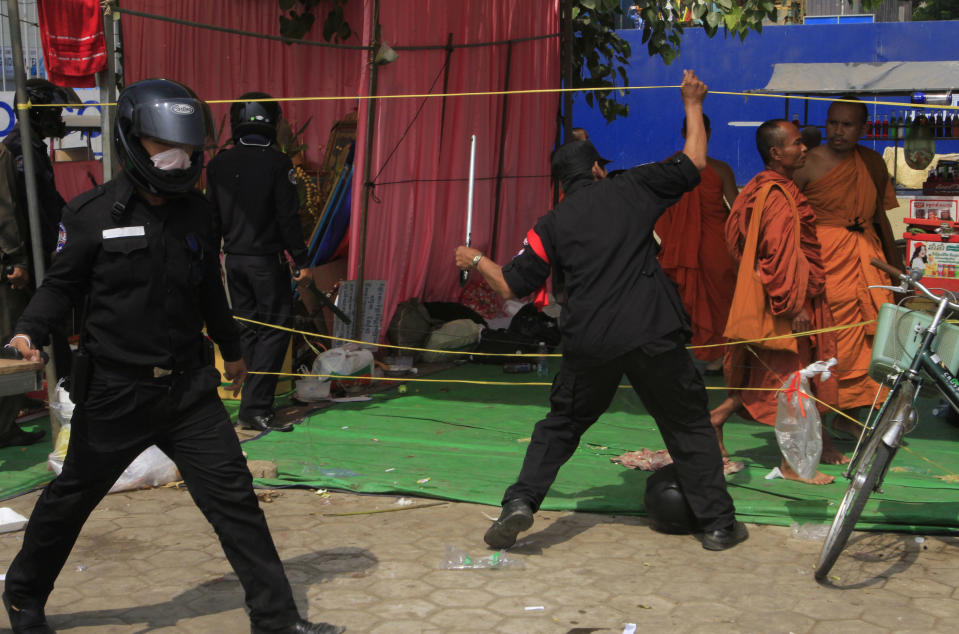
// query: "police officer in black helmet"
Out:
[45,123]
[253,189]
[139,253]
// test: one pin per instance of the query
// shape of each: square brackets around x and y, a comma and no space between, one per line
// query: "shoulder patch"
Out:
[86,197]
[61,238]
[292,176]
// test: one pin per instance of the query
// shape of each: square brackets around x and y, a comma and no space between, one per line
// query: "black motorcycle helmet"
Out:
[254,117]
[168,111]
[47,122]
[666,505]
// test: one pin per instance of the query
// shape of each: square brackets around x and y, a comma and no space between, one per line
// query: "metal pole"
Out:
[504,119]
[108,93]
[29,170]
[566,23]
[367,156]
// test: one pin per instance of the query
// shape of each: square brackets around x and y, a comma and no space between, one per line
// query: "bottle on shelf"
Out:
[893,126]
[869,127]
[796,120]
[884,127]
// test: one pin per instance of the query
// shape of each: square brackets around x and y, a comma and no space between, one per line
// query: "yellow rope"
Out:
[530,91]
[530,354]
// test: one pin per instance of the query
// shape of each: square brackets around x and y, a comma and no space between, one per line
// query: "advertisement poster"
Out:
[936,259]
[934,208]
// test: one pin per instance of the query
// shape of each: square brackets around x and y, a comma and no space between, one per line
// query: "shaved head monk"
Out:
[692,252]
[849,189]
[794,280]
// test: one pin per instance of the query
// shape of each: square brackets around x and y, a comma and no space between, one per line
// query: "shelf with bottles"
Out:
[903,124]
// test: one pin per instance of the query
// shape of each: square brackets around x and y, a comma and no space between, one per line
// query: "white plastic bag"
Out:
[344,361]
[798,426]
[150,469]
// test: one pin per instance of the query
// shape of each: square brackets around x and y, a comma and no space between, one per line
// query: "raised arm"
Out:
[694,92]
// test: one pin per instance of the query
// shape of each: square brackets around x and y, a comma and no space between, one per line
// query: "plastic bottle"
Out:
[542,365]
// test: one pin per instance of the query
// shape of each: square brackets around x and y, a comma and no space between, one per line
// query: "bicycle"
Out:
[904,366]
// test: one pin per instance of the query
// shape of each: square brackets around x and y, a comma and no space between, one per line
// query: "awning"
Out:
[870,78]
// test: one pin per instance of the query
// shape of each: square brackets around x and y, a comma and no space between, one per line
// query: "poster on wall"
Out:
[935,259]
[934,208]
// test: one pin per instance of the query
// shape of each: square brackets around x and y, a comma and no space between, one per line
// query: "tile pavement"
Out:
[147,561]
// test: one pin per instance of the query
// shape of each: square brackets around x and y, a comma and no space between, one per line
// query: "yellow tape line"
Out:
[535,354]
[531,91]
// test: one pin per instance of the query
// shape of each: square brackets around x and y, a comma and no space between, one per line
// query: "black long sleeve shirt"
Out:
[148,277]
[253,190]
[599,239]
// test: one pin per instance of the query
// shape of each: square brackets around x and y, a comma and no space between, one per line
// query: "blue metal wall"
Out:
[652,130]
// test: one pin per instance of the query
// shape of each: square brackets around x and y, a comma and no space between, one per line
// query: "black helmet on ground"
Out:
[47,122]
[166,111]
[666,505]
[254,117]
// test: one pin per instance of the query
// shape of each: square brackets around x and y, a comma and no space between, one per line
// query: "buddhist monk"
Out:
[794,281]
[693,254]
[849,189]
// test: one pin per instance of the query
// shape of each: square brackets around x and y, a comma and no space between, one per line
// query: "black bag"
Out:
[532,324]
[503,341]
[410,326]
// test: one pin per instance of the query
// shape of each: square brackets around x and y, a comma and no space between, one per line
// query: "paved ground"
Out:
[148,561]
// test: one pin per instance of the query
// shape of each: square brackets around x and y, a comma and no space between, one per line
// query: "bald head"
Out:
[851,106]
[769,135]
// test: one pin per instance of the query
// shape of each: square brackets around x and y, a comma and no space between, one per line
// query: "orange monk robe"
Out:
[846,202]
[693,254]
[792,278]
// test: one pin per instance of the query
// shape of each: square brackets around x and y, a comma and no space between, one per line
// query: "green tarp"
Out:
[465,441]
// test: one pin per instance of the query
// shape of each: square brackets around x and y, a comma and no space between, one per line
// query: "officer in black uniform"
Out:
[45,123]
[622,316]
[139,253]
[253,188]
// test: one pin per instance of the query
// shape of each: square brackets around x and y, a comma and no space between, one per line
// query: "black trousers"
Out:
[260,289]
[673,392]
[185,418]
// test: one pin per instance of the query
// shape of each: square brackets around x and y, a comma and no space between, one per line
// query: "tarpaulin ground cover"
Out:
[466,442]
[23,469]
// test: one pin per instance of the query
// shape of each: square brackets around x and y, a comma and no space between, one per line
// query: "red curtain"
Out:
[420,157]
[223,66]
[418,215]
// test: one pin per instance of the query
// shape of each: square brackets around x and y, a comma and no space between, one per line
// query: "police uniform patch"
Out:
[292,176]
[61,238]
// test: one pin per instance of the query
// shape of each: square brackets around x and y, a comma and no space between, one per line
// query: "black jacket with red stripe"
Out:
[599,242]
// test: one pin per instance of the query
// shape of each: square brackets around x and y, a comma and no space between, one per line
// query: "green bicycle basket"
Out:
[898,337]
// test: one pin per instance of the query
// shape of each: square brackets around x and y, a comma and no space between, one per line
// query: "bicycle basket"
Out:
[898,337]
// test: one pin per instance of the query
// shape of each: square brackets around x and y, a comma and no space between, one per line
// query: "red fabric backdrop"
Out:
[418,215]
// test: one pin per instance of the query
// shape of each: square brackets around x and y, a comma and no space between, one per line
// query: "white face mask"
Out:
[172,159]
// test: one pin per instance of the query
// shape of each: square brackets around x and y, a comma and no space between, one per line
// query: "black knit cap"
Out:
[575,158]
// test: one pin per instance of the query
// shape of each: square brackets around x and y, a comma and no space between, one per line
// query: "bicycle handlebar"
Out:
[911,279]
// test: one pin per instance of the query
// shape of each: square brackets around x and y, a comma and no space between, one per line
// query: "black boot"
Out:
[25,620]
[517,516]
[302,626]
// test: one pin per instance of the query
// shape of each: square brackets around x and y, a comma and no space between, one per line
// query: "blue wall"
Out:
[652,130]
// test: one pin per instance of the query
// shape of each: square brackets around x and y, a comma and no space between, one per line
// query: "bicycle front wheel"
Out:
[867,474]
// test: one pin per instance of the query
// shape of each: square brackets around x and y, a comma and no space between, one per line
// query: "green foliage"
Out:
[599,54]
[935,10]
[297,19]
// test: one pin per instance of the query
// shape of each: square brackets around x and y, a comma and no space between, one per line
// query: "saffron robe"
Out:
[846,201]
[793,279]
[693,254]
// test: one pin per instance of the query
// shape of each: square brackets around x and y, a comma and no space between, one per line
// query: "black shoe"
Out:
[302,626]
[20,438]
[25,620]
[723,538]
[517,516]
[266,422]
